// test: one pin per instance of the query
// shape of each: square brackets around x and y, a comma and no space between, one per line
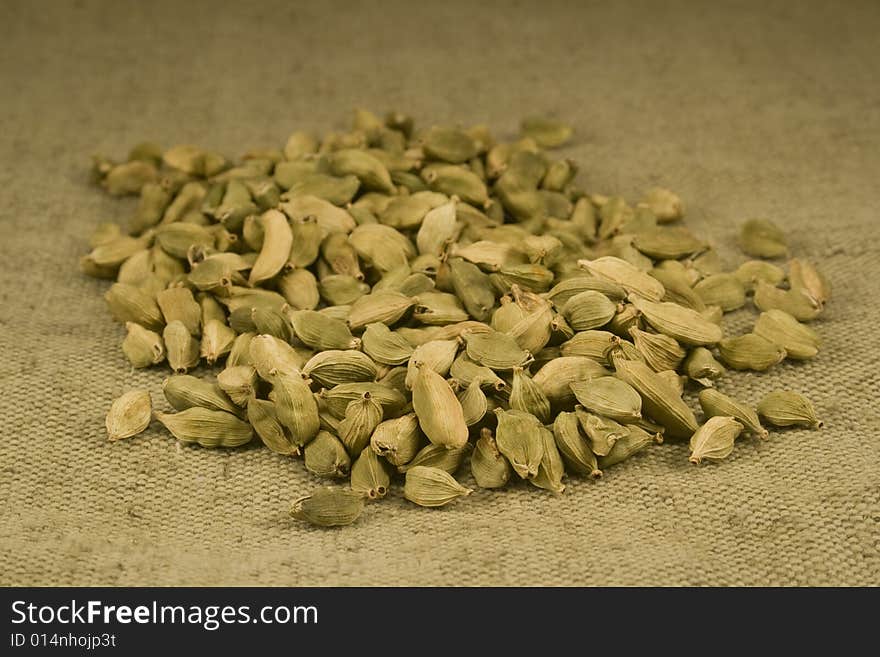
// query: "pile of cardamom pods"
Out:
[392,301]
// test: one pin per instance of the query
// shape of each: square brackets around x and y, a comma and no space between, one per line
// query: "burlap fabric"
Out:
[755,108]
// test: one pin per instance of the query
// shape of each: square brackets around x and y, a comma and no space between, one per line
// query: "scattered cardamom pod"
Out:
[129,415]
[786,409]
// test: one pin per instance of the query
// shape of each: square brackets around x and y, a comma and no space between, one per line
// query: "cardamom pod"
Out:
[551,470]
[295,407]
[398,440]
[440,413]
[609,396]
[762,238]
[700,366]
[142,347]
[528,396]
[370,475]
[634,441]
[362,416]
[714,440]
[328,507]
[488,465]
[785,409]
[207,427]
[432,487]
[750,352]
[519,439]
[239,382]
[715,404]
[129,415]
[182,350]
[325,456]
[683,324]
[332,367]
[799,342]
[661,402]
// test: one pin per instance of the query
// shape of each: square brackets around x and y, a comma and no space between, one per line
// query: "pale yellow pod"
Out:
[275,251]
[129,415]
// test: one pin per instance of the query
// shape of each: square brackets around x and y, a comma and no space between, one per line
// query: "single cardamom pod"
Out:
[661,402]
[785,409]
[473,402]
[370,475]
[588,310]
[589,344]
[183,350]
[438,355]
[325,456]
[239,382]
[465,371]
[128,303]
[295,407]
[664,243]
[240,352]
[573,446]
[551,470]
[519,439]
[700,366]
[362,416]
[626,275]
[496,351]
[217,340]
[322,332]
[665,204]
[602,432]
[761,238]
[488,465]
[332,367]
[805,278]
[440,413]
[472,286]
[438,228]
[271,356]
[398,440]
[178,303]
[432,487]
[799,341]
[184,391]
[129,415]
[328,507]
[715,404]
[385,346]
[547,132]
[386,306]
[526,395]
[438,456]
[714,440]
[142,347]
[660,351]
[207,427]
[724,290]
[750,352]
[611,397]
[683,324]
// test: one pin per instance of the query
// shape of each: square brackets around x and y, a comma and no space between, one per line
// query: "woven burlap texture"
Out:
[746,109]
